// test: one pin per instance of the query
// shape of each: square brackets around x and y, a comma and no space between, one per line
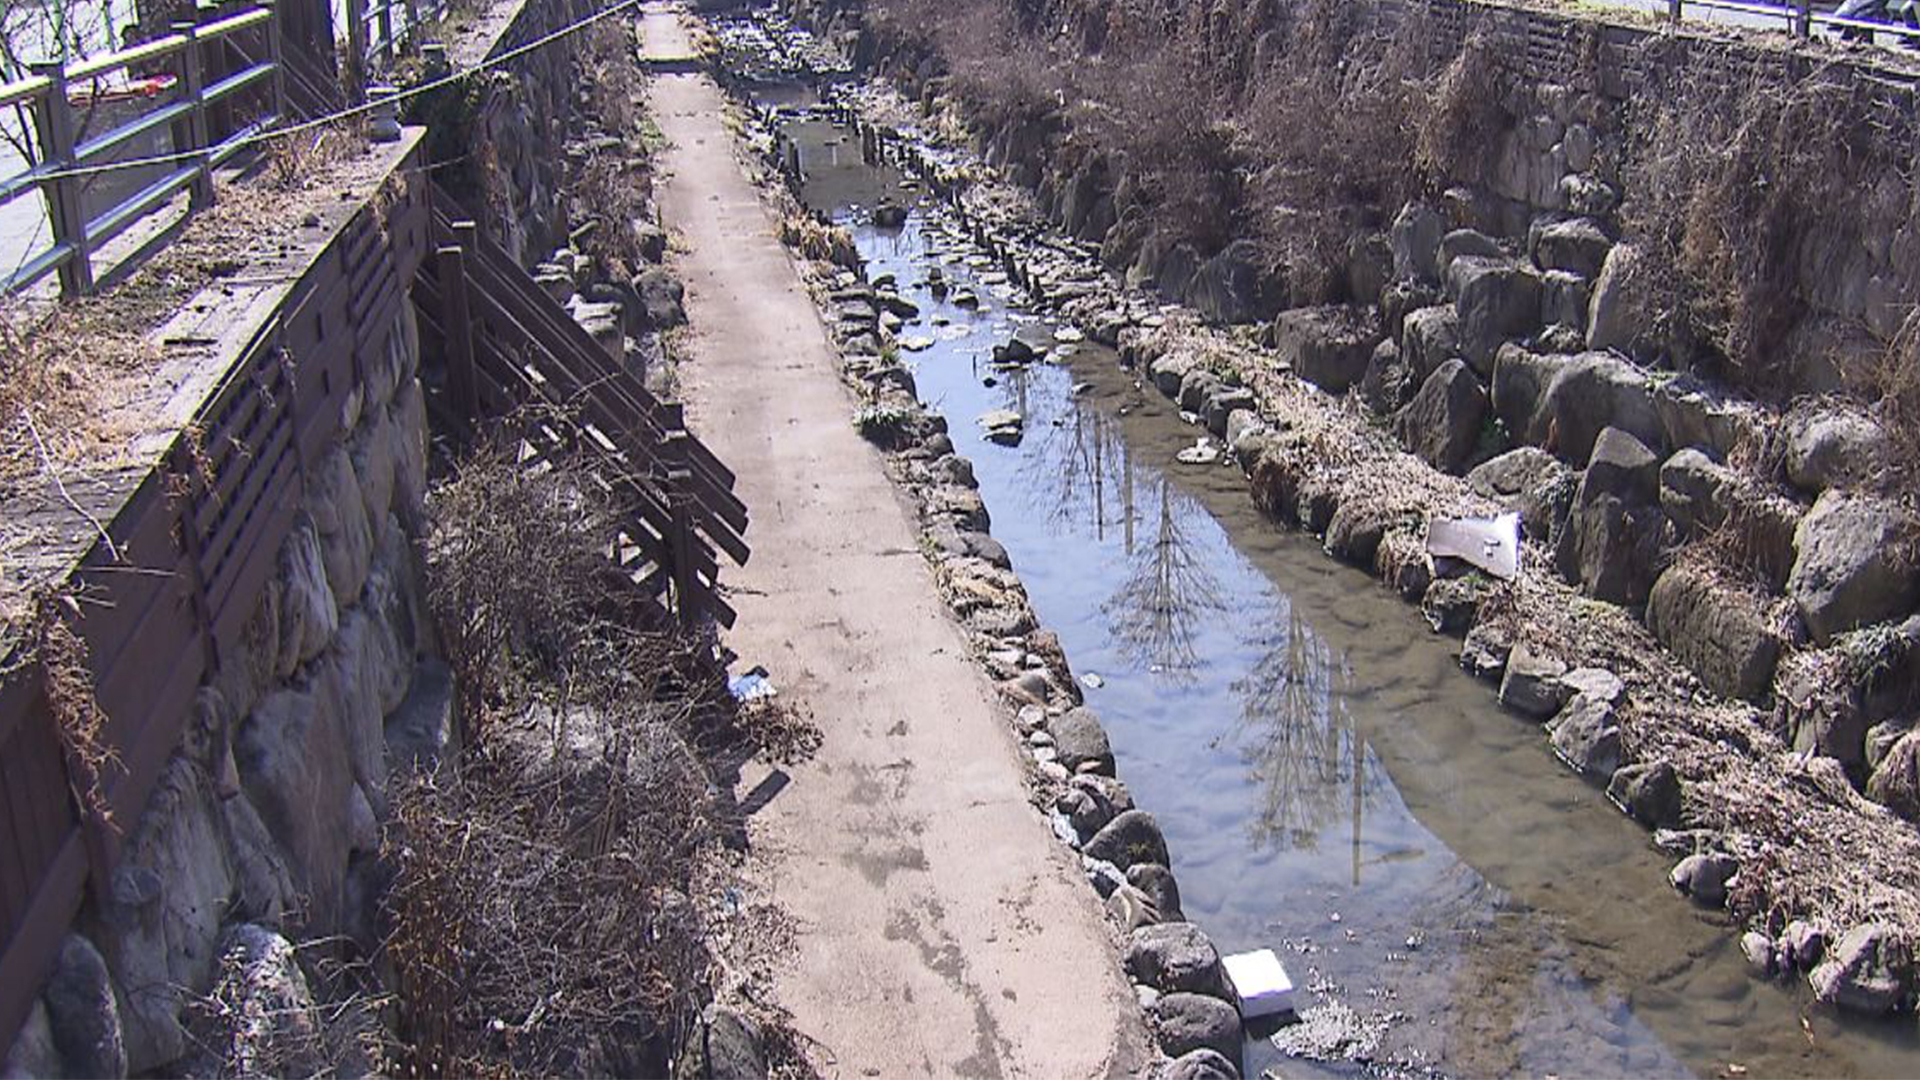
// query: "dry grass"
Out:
[543,915]
[70,369]
[1732,236]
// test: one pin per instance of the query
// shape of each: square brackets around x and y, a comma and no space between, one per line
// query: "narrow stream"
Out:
[1330,783]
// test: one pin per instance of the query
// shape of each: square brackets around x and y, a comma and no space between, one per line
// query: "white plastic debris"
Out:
[752,685]
[1492,544]
[1260,982]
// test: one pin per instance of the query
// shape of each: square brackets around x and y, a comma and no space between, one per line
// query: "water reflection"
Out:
[1168,589]
[1297,737]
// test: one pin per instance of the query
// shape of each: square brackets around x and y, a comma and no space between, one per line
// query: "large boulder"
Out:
[663,298]
[1575,245]
[1696,413]
[1834,449]
[1226,288]
[1588,394]
[1415,237]
[1079,740]
[1530,482]
[1157,884]
[296,766]
[1442,423]
[1186,1022]
[1703,877]
[1586,735]
[1389,382]
[1855,564]
[1695,492]
[81,1011]
[1869,970]
[1895,781]
[1520,382]
[1498,300]
[1176,956]
[1327,346]
[1531,684]
[1430,337]
[1729,637]
[1649,792]
[1620,315]
[1563,302]
[1133,836]
[1615,531]
[339,514]
[1462,244]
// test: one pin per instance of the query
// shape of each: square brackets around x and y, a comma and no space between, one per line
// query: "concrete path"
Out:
[942,930]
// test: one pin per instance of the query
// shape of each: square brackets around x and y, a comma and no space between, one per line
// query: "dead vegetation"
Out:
[1295,126]
[1744,189]
[72,371]
[612,184]
[553,886]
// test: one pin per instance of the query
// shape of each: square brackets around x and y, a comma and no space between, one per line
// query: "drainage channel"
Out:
[1331,785]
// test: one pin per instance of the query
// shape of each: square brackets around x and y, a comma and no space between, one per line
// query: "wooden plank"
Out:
[144,756]
[252,570]
[31,949]
[723,510]
[266,487]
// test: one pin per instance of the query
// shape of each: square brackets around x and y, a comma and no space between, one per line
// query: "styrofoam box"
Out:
[1260,982]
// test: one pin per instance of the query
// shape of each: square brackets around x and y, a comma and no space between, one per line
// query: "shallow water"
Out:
[1330,783]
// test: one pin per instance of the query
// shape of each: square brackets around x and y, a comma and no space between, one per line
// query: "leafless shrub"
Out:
[516,561]
[1740,189]
[1468,112]
[610,187]
[540,920]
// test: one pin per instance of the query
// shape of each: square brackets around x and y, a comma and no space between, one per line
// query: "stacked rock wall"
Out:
[270,811]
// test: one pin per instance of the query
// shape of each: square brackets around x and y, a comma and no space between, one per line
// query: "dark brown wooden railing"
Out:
[509,344]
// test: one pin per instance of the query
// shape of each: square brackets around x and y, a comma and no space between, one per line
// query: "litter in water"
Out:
[1260,982]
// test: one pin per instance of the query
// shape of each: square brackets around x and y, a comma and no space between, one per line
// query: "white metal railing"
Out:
[377,29]
[1800,18]
[207,73]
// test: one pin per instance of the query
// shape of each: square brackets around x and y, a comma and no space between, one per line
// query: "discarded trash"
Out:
[1093,681]
[1492,544]
[1068,335]
[1202,452]
[1260,982]
[752,685]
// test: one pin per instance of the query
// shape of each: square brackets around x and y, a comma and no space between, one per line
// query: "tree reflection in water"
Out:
[1299,739]
[1167,590]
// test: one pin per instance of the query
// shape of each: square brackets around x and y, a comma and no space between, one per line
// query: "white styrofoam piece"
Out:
[1260,982]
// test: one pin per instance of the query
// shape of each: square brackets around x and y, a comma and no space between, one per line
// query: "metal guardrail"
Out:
[378,28]
[1801,19]
[206,85]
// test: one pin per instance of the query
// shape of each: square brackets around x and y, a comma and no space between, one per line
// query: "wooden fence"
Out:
[507,344]
[166,591]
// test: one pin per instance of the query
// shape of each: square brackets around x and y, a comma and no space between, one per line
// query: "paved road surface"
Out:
[943,931]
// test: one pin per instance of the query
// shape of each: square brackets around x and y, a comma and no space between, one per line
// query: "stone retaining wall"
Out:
[270,812]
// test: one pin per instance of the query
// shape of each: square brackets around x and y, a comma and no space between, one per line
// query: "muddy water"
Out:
[1330,783]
